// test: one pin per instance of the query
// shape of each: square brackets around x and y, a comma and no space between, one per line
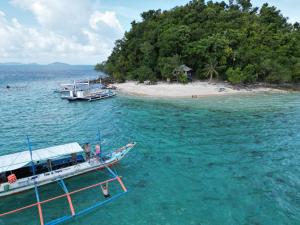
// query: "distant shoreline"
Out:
[196,89]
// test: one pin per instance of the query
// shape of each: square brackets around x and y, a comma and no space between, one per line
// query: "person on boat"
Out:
[98,151]
[73,158]
[87,151]
[104,188]
[2,178]
[49,165]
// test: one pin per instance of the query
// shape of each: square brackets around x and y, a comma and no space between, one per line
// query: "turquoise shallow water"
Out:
[217,160]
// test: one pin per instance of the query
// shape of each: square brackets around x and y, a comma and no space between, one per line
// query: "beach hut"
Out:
[187,71]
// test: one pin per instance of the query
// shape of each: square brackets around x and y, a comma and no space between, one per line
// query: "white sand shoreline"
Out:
[196,89]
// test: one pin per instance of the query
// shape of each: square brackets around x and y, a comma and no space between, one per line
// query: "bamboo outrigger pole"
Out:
[35,184]
[109,169]
[64,187]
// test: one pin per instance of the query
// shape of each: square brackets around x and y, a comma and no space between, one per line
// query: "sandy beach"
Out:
[191,90]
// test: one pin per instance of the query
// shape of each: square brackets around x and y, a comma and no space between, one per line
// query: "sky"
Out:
[80,31]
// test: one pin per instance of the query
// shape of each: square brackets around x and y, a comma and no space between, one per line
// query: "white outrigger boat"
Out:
[84,90]
[30,169]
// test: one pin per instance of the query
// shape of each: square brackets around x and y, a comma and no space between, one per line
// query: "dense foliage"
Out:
[234,42]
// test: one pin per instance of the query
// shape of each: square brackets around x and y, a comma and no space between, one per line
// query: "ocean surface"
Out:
[219,160]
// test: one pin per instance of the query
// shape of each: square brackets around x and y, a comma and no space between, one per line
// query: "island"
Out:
[214,42]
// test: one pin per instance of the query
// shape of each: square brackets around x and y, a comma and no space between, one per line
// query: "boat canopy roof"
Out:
[87,86]
[21,159]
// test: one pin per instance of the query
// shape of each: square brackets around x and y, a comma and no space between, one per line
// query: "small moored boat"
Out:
[86,91]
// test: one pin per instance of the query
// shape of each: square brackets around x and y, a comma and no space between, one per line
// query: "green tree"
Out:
[142,74]
[235,76]
[296,72]
[249,73]
[100,67]
[250,44]
[117,76]
[182,78]
[246,4]
[173,40]
[210,70]
[167,65]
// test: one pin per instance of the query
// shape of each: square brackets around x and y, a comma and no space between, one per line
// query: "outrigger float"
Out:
[33,168]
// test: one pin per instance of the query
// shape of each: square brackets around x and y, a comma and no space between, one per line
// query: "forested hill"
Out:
[235,42]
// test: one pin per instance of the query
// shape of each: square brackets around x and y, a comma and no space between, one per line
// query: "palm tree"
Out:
[210,69]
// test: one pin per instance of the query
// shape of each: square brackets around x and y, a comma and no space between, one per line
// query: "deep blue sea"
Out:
[218,160]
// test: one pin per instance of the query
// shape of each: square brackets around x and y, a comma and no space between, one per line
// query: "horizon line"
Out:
[42,64]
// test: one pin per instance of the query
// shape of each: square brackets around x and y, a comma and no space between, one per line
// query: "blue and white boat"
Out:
[58,162]
[27,170]
[86,91]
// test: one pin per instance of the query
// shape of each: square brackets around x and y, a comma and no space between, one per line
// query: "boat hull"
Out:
[91,96]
